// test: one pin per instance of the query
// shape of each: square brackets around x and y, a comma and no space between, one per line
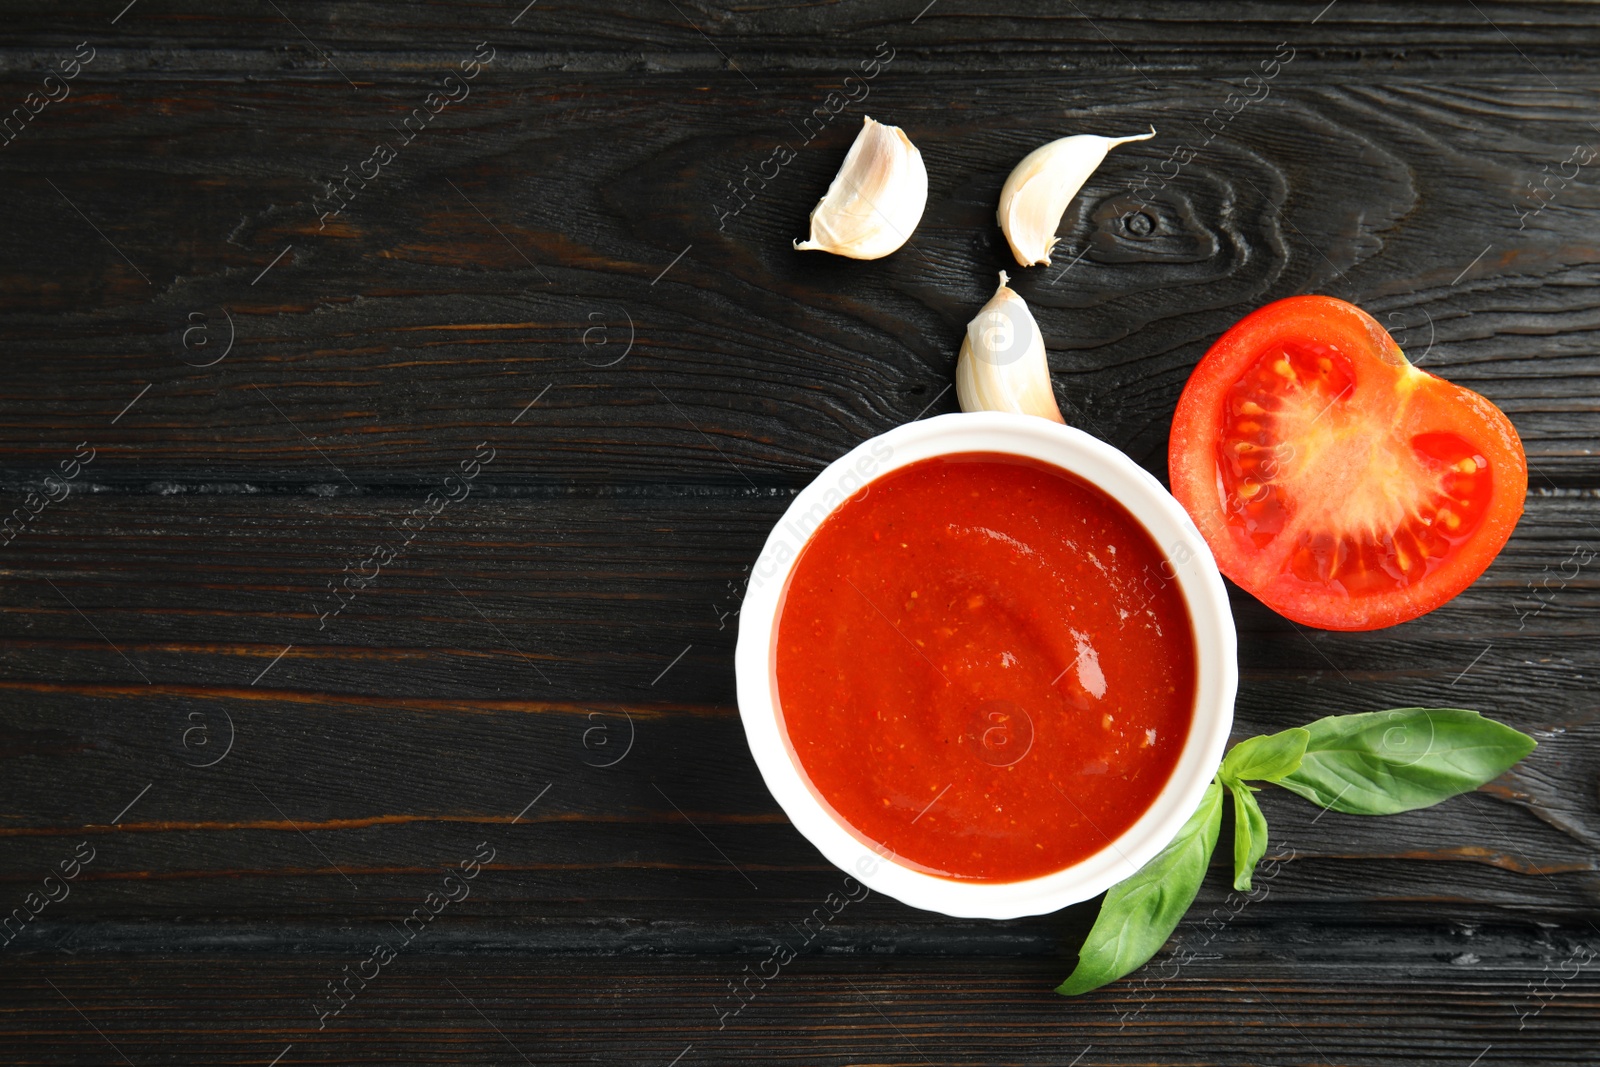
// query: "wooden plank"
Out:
[546,214]
[591,581]
[356,39]
[519,633]
[1304,995]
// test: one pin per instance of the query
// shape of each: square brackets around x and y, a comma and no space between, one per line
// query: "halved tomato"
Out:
[1343,487]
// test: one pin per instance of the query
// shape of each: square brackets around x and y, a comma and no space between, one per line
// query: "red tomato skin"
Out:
[1195,477]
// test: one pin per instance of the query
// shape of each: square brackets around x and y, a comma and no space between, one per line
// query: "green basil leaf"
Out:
[1249,835]
[1382,762]
[1266,758]
[1140,912]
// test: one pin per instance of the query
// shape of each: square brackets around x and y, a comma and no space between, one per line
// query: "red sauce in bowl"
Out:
[984,665]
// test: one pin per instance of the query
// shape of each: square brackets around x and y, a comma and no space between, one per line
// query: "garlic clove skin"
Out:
[1039,189]
[1002,366]
[876,199]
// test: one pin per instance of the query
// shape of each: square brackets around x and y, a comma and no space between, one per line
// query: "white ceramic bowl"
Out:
[1217,675]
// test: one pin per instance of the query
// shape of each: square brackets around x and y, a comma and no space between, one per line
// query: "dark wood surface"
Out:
[554,239]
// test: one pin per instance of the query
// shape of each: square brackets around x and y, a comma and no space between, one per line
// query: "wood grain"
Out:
[1309,998]
[499,256]
[518,634]
[356,38]
[557,268]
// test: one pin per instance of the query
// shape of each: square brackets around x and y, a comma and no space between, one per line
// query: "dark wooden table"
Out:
[554,270]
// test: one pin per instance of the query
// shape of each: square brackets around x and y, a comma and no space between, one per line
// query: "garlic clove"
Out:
[1002,366]
[1039,189]
[876,199]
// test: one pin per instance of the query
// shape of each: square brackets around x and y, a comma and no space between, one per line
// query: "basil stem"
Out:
[1266,758]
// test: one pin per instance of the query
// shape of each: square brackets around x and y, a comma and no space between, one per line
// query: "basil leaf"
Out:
[1266,758]
[1249,835]
[1382,762]
[1140,912]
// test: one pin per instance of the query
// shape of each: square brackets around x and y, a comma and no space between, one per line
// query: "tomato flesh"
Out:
[1341,485]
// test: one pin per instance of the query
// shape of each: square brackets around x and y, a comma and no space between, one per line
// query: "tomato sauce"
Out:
[983,664]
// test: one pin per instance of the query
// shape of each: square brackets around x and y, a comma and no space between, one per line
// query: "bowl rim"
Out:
[1195,572]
